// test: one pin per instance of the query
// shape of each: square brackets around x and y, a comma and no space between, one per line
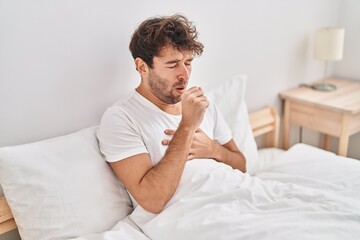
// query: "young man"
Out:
[148,137]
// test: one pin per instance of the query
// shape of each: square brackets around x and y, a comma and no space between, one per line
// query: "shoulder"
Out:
[120,107]
[119,114]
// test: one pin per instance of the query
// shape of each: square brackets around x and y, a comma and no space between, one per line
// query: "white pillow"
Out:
[229,99]
[62,187]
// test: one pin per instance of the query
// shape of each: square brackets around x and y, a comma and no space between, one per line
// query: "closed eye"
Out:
[172,66]
[188,62]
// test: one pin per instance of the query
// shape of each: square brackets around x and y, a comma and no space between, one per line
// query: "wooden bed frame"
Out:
[264,122]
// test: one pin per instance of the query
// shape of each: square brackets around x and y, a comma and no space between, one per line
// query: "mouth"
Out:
[180,89]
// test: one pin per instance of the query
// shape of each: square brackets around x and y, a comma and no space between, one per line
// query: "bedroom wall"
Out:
[62,62]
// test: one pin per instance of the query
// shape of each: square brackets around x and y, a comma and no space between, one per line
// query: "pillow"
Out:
[62,188]
[229,99]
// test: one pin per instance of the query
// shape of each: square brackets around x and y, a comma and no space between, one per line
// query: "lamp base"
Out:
[324,87]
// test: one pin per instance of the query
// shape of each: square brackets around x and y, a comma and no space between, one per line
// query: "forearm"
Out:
[160,182]
[235,159]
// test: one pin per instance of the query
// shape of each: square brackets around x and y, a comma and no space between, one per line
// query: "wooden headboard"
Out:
[264,122]
[7,222]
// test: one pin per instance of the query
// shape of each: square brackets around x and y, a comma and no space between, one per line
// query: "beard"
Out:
[163,90]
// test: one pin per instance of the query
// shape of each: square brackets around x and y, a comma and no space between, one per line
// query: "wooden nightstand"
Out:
[335,113]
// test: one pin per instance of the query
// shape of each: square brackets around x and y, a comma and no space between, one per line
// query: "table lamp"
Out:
[329,44]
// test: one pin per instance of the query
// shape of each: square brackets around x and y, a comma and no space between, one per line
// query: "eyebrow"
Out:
[176,61]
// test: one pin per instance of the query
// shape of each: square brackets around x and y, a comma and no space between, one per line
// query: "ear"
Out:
[141,66]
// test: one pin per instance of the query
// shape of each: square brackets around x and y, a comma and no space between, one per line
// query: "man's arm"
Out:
[153,186]
[204,147]
[230,155]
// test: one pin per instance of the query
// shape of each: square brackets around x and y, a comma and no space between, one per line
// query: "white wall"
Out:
[350,19]
[62,62]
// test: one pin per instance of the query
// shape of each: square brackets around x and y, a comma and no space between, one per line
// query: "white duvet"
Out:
[306,194]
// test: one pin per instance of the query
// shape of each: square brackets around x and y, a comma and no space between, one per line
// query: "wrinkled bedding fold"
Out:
[306,193]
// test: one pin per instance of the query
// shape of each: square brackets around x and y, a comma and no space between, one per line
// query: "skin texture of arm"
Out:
[153,186]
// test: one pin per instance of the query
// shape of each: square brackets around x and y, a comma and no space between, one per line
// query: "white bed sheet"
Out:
[267,156]
[124,229]
[309,162]
[302,193]
[306,193]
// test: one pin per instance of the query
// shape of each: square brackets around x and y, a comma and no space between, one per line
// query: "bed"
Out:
[61,188]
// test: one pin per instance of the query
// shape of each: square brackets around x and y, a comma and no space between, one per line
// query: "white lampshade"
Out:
[329,44]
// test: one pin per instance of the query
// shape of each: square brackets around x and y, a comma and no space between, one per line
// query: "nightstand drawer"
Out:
[315,118]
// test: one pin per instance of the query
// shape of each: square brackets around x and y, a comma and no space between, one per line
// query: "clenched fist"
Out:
[194,104]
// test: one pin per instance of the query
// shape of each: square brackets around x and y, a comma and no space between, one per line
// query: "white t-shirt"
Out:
[136,125]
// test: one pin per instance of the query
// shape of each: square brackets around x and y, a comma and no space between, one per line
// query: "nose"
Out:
[184,72]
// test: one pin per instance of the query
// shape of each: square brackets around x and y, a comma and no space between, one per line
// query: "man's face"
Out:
[170,74]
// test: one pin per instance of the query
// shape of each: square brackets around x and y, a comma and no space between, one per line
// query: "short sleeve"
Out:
[222,132]
[119,136]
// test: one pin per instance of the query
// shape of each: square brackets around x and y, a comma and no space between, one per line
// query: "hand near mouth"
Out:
[194,104]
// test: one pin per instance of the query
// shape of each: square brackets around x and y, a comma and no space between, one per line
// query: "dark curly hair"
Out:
[156,33]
